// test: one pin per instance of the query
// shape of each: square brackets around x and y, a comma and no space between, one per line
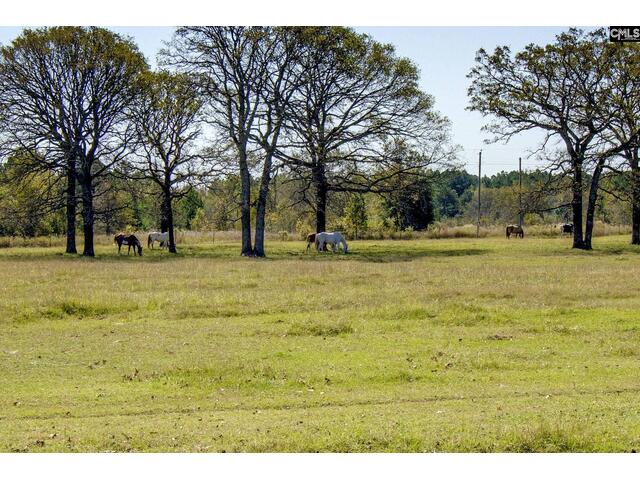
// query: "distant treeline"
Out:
[448,196]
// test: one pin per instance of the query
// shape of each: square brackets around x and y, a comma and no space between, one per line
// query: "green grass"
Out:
[425,345]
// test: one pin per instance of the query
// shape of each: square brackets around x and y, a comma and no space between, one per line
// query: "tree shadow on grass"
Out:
[109,255]
[601,250]
[369,253]
[389,255]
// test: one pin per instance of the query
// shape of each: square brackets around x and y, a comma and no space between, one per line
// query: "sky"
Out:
[444,56]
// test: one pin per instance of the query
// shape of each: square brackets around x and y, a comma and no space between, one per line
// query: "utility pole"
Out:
[520,191]
[479,186]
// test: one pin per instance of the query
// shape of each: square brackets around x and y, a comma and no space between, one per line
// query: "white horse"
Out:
[331,238]
[163,238]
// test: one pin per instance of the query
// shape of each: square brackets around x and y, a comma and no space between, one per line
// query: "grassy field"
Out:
[425,345]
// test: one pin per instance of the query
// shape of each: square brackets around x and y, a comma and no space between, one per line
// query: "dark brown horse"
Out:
[130,240]
[515,230]
[566,228]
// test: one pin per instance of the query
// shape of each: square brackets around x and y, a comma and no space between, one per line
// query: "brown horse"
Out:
[515,230]
[130,240]
[311,238]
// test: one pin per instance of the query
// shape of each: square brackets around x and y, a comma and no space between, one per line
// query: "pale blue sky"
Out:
[444,55]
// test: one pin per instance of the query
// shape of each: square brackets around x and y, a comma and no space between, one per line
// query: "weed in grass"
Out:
[79,309]
[546,438]
[499,336]
[324,329]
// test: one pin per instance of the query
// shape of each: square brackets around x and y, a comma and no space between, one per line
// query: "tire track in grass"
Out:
[406,401]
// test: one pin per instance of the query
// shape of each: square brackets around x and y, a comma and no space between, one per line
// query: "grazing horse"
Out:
[331,238]
[163,238]
[311,238]
[130,240]
[566,228]
[515,230]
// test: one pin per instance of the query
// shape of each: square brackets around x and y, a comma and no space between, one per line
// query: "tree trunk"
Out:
[320,184]
[164,214]
[71,206]
[87,216]
[591,206]
[245,206]
[635,198]
[167,219]
[576,204]
[172,238]
[261,206]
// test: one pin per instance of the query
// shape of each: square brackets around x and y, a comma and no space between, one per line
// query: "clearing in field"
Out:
[430,345]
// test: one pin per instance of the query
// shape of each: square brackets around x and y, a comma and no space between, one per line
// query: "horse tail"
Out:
[507,232]
[149,241]
[344,244]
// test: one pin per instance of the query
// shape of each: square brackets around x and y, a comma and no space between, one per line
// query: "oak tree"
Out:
[560,89]
[167,117]
[66,91]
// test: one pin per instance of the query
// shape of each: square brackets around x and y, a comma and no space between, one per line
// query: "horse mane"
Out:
[136,242]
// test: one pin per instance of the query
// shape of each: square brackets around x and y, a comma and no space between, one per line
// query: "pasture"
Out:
[413,345]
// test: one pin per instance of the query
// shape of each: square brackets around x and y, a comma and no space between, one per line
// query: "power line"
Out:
[479,186]
[520,191]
